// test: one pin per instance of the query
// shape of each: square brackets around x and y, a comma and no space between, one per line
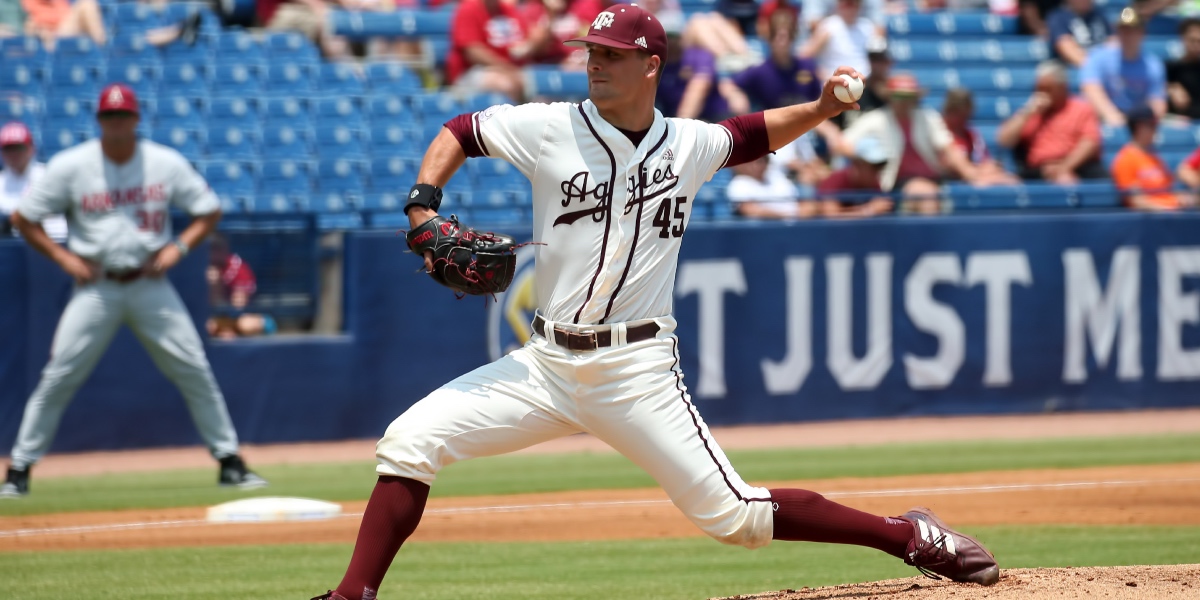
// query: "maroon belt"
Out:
[124,276]
[591,340]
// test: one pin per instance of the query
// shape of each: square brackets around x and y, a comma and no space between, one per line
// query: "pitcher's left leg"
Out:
[161,322]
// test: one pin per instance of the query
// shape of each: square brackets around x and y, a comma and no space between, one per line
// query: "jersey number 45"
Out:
[665,217]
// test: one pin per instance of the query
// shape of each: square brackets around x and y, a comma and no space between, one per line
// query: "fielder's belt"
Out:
[586,341]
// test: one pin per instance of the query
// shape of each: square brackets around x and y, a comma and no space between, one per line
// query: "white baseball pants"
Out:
[632,397]
[153,310]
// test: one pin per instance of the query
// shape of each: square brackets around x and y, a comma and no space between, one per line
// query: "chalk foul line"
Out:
[590,504]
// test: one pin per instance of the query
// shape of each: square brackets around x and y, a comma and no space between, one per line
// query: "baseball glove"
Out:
[465,260]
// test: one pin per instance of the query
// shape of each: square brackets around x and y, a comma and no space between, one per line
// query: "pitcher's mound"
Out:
[1109,583]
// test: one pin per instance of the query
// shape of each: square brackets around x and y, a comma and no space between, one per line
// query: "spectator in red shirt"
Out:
[957,109]
[552,22]
[1056,136]
[1189,171]
[231,285]
[855,191]
[488,46]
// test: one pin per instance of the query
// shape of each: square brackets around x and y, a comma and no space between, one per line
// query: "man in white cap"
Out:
[20,172]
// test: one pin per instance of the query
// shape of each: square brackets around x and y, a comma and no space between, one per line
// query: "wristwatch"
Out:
[182,247]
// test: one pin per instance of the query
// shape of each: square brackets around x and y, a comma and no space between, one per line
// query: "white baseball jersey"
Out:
[608,217]
[118,214]
[14,187]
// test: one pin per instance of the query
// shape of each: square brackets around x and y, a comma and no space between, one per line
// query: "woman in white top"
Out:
[841,39]
[758,192]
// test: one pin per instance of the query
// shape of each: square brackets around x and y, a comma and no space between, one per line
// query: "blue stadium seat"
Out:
[392,174]
[480,102]
[391,110]
[234,111]
[288,79]
[340,79]
[987,107]
[396,140]
[291,46]
[131,46]
[384,201]
[189,142]
[20,79]
[960,24]
[286,142]
[336,141]
[228,177]
[436,107]
[434,50]
[509,216]
[400,23]
[19,108]
[239,46]
[490,197]
[56,140]
[977,79]
[392,78]
[184,78]
[960,53]
[179,110]
[233,142]
[284,110]
[345,111]
[290,177]
[1097,194]
[341,175]
[76,47]
[1176,138]
[200,53]
[135,17]
[68,107]
[21,47]
[77,78]
[272,202]
[141,76]
[237,79]
[555,83]
[493,174]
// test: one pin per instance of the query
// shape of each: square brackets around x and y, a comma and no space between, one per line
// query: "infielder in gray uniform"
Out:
[614,183]
[116,193]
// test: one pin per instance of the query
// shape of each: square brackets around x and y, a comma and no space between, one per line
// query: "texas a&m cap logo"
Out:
[628,27]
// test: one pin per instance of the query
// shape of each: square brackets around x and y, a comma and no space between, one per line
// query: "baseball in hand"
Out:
[852,92]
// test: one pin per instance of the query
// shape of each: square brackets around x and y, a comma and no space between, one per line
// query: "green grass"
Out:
[550,473]
[683,569]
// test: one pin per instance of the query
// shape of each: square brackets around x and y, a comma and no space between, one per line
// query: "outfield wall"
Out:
[819,320]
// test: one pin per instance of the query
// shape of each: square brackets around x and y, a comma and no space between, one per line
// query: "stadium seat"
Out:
[346,111]
[288,79]
[275,203]
[237,79]
[66,78]
[392,78]
[393,174]
[189,142]
[340,79]
[76,47]
[960,24]
[290,46]
[131,46]
[341,175]
[978,52]
[179,110]
[391,110]
[436,107]
[57,140]
[233,142]
[229,178]
[141,76]
[234,111]
[69,108]
[396,140]
[200,53]
[135,17]
[555,83]
[20,79]
[21,47]
[480,102]
[239,46]
[289,177]
[184,78]
[337,141]
[383,201]
[360,25]
[508,216]
[284,110]
[286,142]
[19,108]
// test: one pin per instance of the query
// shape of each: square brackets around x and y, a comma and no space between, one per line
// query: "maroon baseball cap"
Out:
[626,26]
[15,134]
[117,98]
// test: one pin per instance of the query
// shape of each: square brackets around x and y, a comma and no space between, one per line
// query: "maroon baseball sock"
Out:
[391,516]
[804,516]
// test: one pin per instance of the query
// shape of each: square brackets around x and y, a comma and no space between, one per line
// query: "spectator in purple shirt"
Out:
[782,80]
[688,88]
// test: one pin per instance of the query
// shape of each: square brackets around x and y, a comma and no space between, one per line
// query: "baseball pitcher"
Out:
[613,188]
[116,192]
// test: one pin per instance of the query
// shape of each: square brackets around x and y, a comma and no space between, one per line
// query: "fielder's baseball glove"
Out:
[465,260]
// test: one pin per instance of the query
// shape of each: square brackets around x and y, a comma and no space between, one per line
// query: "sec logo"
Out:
[509,317]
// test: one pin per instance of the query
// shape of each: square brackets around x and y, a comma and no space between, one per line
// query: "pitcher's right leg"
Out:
[84,332]
[500,407]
